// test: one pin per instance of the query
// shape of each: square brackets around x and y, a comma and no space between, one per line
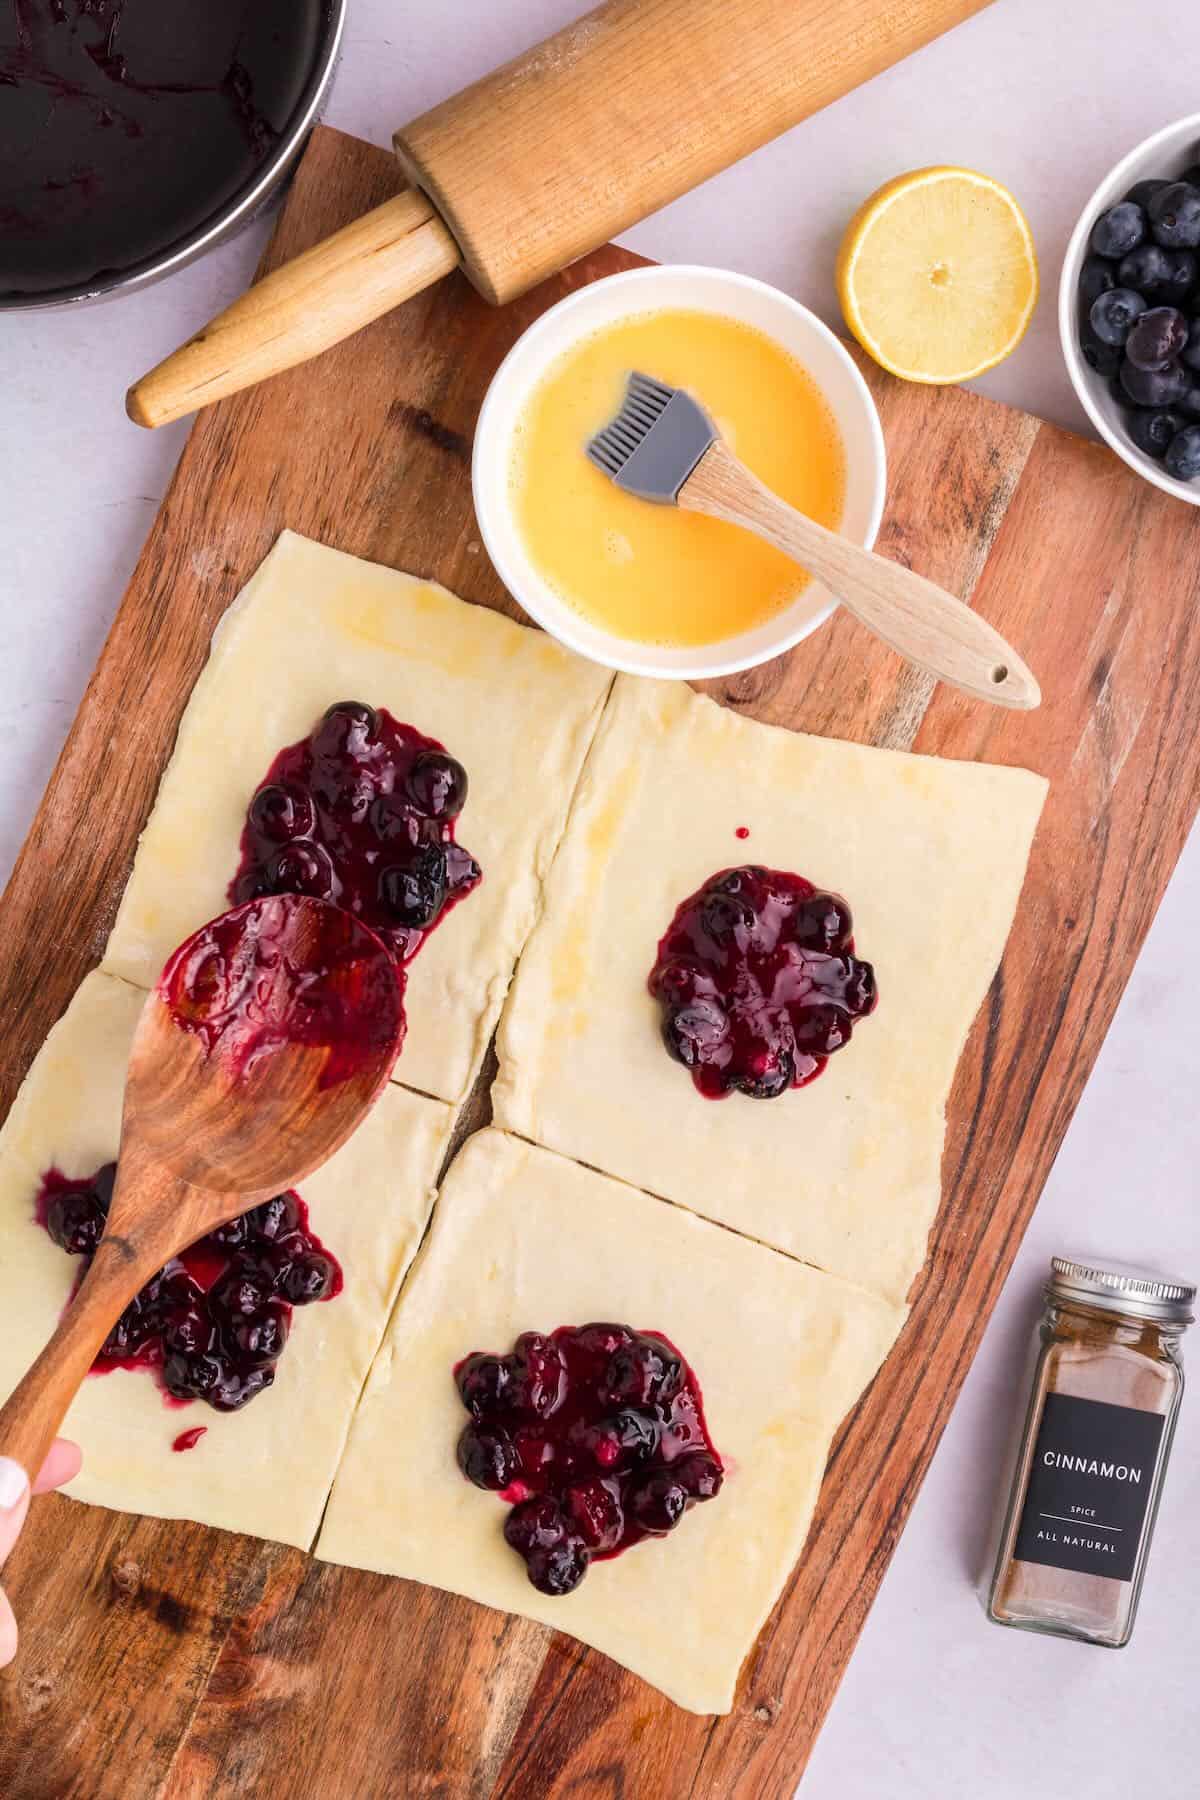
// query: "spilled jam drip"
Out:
[287,971]
[362,812]
[213,1323]
[596,1436]
[126,125]
[187,1440]
[758,982]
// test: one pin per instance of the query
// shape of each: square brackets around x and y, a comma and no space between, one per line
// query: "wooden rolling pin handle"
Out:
[309,304]
[561,149]
[920,620]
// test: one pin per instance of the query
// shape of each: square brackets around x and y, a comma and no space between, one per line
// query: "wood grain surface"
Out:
[164,1659]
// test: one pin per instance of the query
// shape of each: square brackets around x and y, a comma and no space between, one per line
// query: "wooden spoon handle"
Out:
[33,1412]
[143,1232]
[310,303]
[922,621]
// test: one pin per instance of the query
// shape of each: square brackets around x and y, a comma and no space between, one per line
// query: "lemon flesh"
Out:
[937,275]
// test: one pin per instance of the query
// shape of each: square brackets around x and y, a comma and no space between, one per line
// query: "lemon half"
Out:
[937,274]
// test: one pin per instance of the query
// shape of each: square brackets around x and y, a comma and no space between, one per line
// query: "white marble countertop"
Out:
[1045,97]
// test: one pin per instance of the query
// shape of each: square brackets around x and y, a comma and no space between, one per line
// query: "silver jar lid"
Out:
[1120,1288]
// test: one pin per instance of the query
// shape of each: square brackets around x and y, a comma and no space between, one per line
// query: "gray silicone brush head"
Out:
[655,441]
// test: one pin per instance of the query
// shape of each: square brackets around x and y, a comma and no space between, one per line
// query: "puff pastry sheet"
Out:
[313,626]
[524,1239]
[930,854]
[266,1469]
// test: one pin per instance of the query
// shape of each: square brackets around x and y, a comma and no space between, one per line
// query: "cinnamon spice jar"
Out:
[1107,1385]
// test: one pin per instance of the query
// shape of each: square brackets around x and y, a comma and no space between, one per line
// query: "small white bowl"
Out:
[1167,153]
[651,290]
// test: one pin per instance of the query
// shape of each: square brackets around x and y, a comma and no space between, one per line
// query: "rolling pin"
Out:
[571,143]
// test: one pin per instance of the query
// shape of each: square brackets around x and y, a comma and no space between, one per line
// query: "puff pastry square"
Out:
[314,626]
[930,854]
[523,1239]
[268,1468]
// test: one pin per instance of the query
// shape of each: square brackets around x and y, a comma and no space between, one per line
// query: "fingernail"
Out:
[13,1482]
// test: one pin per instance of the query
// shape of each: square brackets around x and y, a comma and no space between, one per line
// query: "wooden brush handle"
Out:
[529,169]
[315,301]
[31,1416]
[922,621]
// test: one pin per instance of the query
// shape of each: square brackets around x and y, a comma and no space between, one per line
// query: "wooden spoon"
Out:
[269,1037]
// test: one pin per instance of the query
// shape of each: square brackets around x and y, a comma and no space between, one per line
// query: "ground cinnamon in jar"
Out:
[1089,1472]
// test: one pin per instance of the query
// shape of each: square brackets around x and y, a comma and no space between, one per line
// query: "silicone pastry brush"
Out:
[662,446]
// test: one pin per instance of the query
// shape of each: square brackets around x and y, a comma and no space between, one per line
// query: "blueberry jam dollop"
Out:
[758,982]
[361,812]
[213,1323]
[595,1434]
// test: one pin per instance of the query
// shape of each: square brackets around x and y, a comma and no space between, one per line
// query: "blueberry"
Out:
[345,730]
[238,1386]
[307,1277]
[699,1474]
[1174,214]
[536,1524]
[537,1375]
[601,1339]
[192,1376]
[822,923]
[1105,359]
[261,1338]
[771,1075]
[1113,316]
[75,1221]
[234,1235]
[725,914]
[1096,277]
[595,1510]
[1119,230]
[1154,387]
[1190,354]
[414,891]
[821,1029]
[302,868]
[1157,337]
[1184,276]
[486,1456]
[134,1329]
[627,1437]
[1152,431]
[275,1218]
[1154,272]
[187,1331]
[393,820]
[1183,454]
[657,1503]
[691,1033]
[1191,175]
[482,1383]
[1142,192]
[644,1373]
[241,1291]
[560,1570]
[1189,405]
[437,784]
[280,813]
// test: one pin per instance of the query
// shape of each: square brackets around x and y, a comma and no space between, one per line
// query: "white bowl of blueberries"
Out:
[1129,309]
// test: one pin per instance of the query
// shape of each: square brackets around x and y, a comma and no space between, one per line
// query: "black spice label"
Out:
[1089,1486]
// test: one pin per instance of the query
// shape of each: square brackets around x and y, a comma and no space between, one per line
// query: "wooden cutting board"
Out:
[168,1659]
